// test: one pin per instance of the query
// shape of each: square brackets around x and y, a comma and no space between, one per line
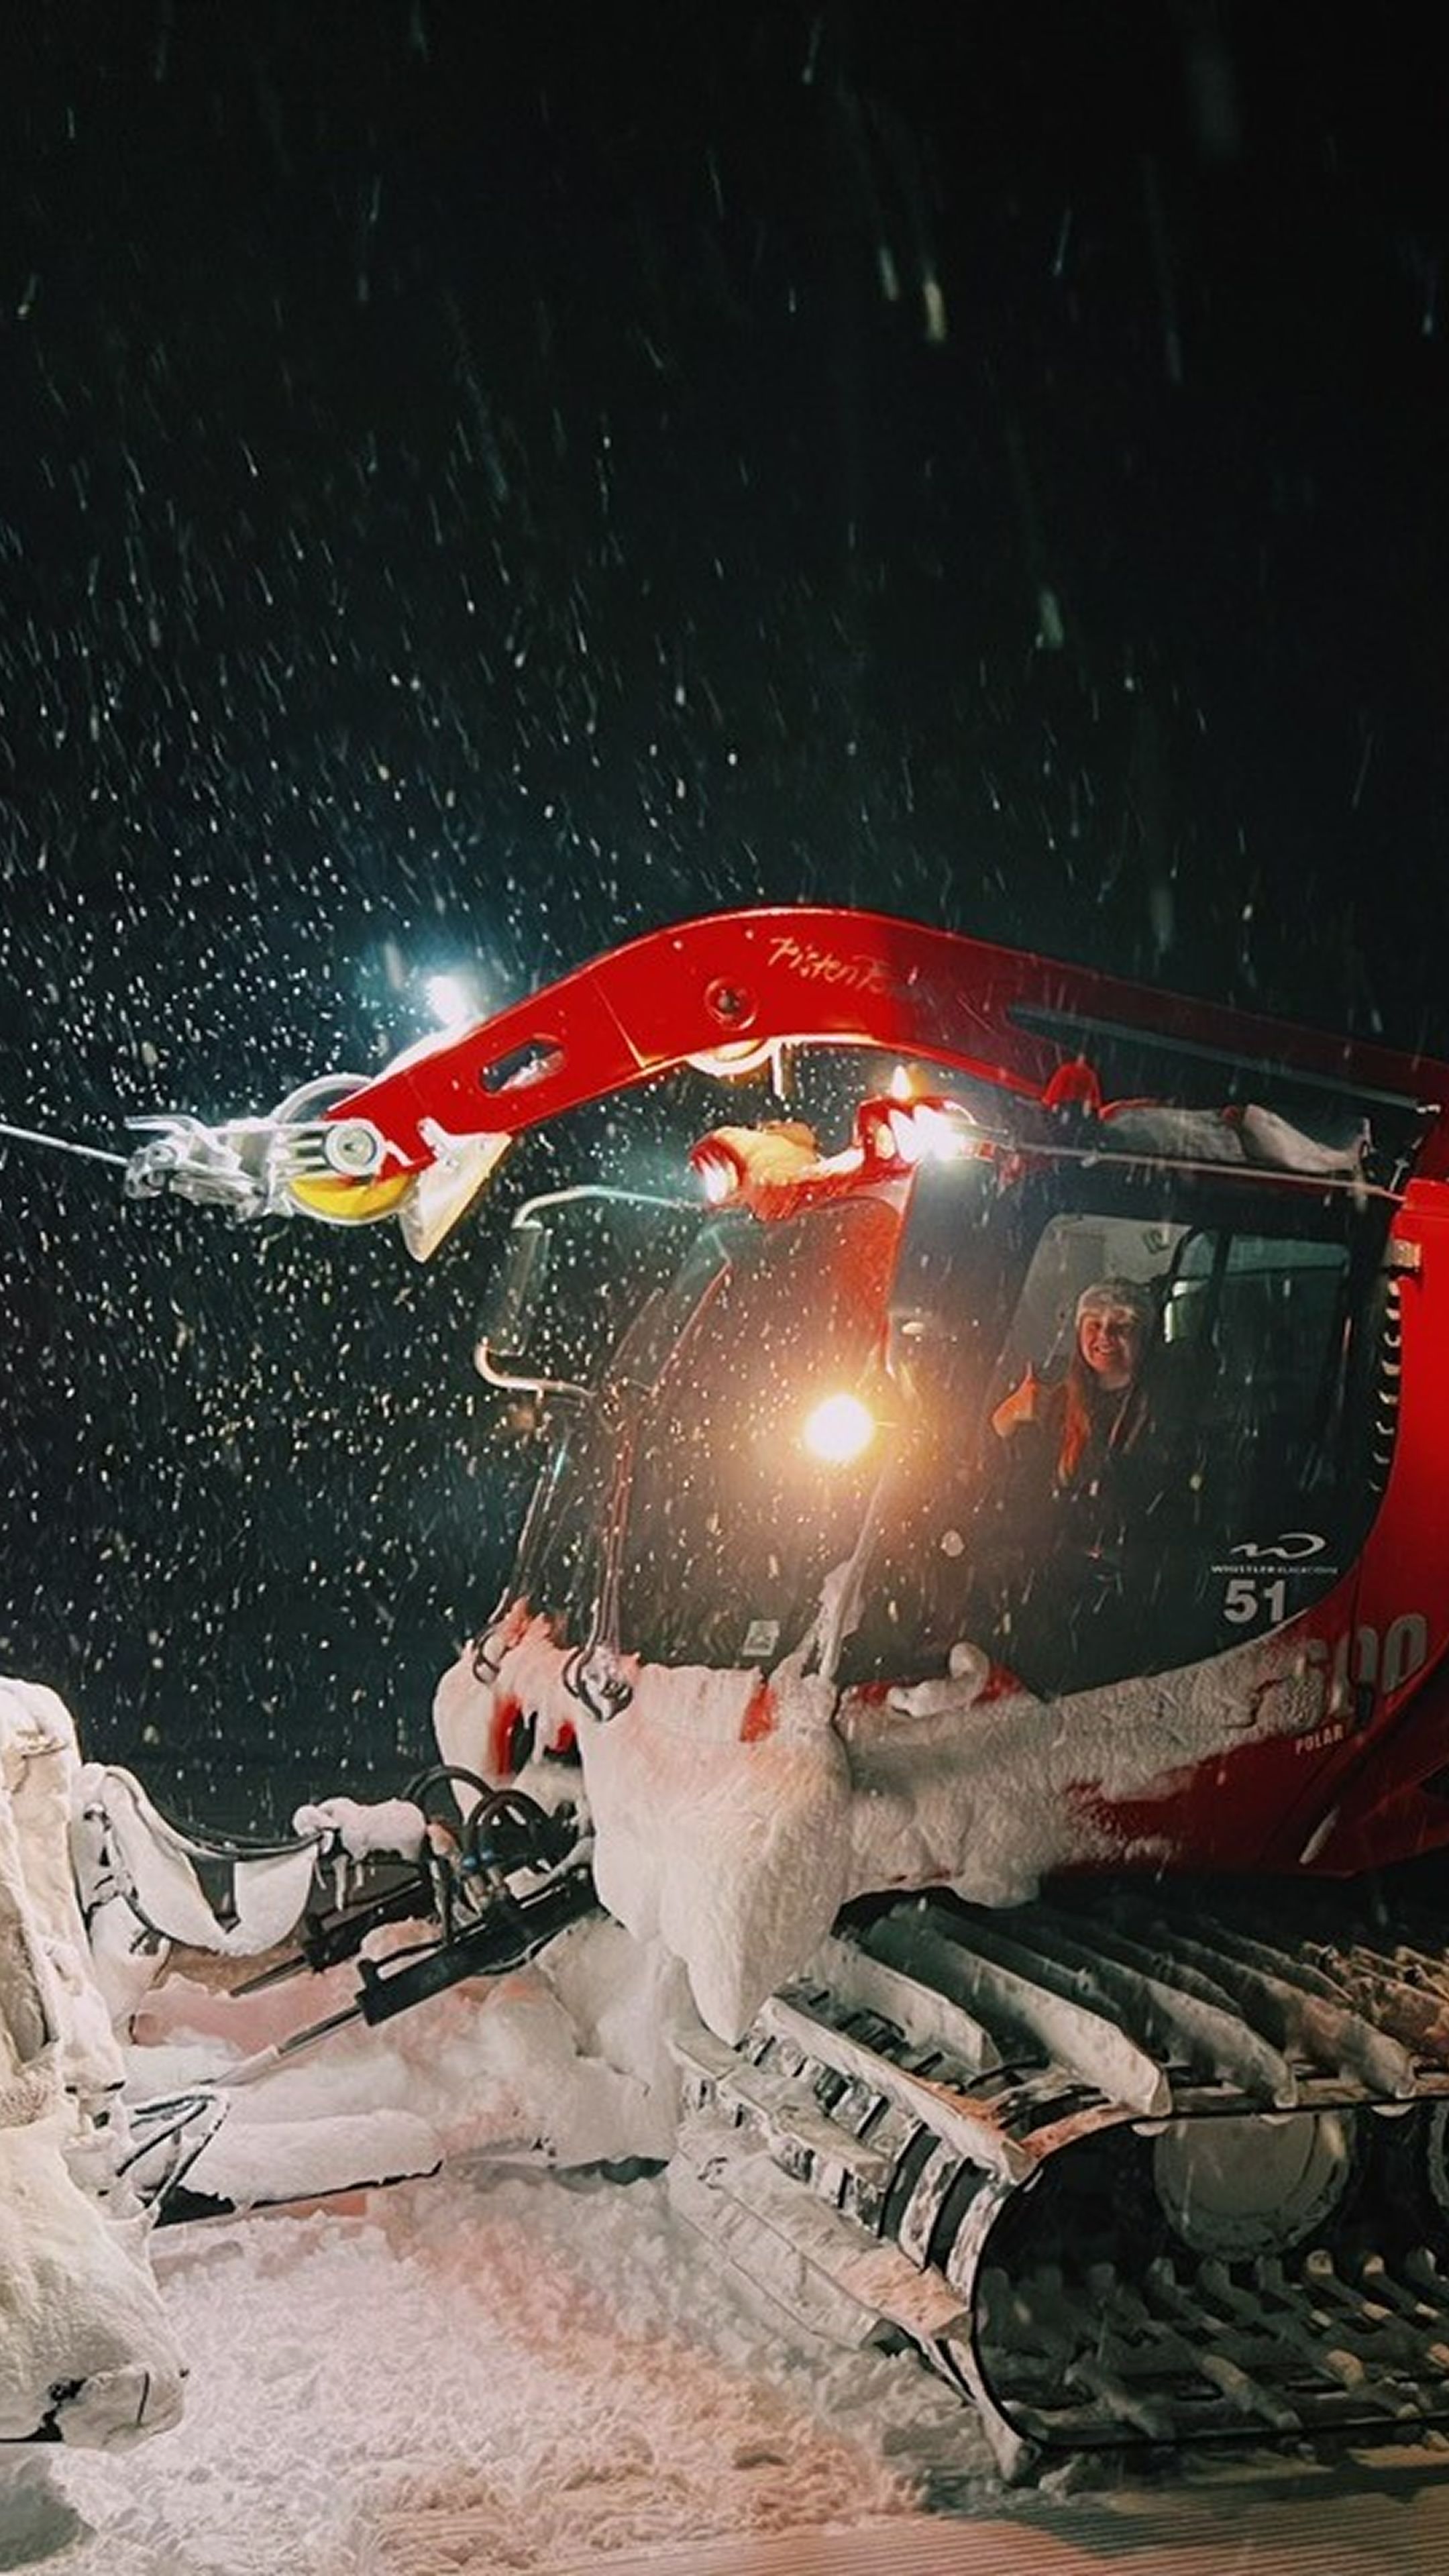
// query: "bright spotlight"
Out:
[452,1000]
[943,1135]
[839,1430]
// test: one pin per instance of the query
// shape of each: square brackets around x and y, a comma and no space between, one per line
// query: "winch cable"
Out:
[63,1145]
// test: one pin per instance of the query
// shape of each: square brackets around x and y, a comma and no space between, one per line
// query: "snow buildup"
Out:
[79,2312]
[989,1796]
[734,1816]
[950,1693]
[393,1825]
[1270,1139]
[565,2062]
[733,1854]
[39,1765]
[251,2165]
[133,1855]
[1247,1135]
[720,1807]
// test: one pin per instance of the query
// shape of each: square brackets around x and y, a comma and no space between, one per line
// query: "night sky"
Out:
[480,483]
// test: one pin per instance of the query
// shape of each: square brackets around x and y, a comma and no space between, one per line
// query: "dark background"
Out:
[473,490]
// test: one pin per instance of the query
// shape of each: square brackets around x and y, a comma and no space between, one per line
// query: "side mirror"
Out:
[571,1274]
[501,1353]
[507,1328]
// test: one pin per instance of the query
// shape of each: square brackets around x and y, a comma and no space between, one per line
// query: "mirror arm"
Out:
[500,1373]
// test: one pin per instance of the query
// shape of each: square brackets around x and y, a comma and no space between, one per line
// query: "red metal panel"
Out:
[819,975]
[1401,1618]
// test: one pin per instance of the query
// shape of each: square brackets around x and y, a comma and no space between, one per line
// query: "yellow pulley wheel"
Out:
[345,1202]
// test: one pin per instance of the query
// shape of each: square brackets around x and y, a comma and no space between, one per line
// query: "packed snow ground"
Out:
[476,2372]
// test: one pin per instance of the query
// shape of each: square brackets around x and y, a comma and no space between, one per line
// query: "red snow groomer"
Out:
[1064,1448]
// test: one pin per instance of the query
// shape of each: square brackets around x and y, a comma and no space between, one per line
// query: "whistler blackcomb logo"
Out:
[1291,1552]
[1292,1547]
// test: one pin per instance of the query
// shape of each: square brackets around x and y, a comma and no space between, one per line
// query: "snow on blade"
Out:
[561,2063]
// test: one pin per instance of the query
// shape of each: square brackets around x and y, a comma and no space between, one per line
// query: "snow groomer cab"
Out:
[851,1362]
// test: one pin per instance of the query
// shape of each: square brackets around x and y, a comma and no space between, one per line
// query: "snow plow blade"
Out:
[1251,2248]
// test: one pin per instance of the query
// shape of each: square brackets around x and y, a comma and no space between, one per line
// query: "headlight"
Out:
[839,1430]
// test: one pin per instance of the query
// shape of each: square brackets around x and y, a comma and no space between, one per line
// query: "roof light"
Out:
[452,1000]
[900,1134]
[762,1166]
[718,1171]
[905,1134]
[943,1131]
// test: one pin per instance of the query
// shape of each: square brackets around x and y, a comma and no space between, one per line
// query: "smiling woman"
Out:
[1114,1318]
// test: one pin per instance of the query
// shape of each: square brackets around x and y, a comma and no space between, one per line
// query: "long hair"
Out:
[1078,1422]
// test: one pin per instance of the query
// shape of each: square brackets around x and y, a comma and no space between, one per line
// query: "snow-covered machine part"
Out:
[131,2096]
[734,1815]
[425,1892]
[86,2353]
[984,1594]
[139,1885]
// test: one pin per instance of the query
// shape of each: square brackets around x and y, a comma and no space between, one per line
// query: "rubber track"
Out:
[945,2135]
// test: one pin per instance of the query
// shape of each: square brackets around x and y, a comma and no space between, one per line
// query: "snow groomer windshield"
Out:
[761,1428]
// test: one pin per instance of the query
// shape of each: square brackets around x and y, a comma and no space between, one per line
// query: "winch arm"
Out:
[720,992]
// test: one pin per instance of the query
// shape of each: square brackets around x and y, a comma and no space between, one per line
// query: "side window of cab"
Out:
[1268,1319]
